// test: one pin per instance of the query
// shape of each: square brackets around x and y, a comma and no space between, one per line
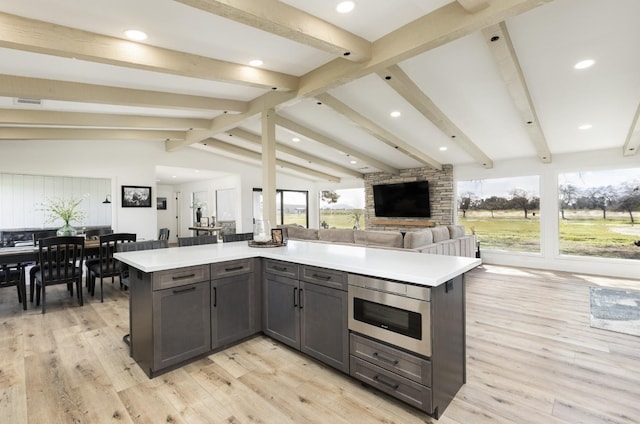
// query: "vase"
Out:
[67,230]
[262,231]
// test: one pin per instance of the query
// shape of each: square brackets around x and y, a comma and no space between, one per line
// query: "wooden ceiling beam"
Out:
[256,157]
[35,36]
[12,133]
[473,6]
[378,132]
[36,88]
[632,143]
[435,29]
[499,42]
[323,139]
[403,85]
[311,159]
[226,122]
[18,117]
[286,21]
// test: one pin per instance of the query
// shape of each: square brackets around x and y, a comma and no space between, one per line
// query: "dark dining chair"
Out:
[105,265]
[97,232]
[163,234]
[196,240]
[13,275]
[37,236]
[226,238]
[60,260]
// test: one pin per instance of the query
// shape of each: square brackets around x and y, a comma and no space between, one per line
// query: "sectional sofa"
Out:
[448,240]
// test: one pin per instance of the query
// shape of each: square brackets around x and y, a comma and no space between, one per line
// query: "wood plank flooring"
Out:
[532,358]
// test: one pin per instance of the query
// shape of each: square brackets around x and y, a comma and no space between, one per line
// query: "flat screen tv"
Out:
[406,200]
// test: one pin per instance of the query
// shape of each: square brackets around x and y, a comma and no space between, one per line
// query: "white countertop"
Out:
[407,266]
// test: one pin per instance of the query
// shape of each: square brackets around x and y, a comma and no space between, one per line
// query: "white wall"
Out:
[549,258]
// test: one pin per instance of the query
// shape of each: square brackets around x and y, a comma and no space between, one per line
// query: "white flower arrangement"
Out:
[64,209]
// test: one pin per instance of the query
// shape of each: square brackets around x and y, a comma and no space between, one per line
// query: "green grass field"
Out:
[583,233]
[341,218]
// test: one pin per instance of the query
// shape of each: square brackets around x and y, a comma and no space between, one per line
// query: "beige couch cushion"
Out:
[417,239]
[378,238]
[337,235]
[456,231]
[440,233]
[301,233]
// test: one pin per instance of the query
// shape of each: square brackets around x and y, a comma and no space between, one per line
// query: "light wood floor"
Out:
[532,358]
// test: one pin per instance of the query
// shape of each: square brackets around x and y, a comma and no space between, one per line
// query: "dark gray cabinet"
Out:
[181,327]
[169,316]
[309,314]
[235,302]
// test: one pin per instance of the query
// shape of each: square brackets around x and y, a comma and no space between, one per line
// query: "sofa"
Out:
[448,240]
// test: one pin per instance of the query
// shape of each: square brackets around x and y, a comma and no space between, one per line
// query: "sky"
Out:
[500,187]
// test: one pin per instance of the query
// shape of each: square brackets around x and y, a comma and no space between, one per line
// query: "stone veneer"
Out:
[440,196]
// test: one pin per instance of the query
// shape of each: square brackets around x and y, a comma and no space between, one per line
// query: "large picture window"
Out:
[599,213]
[342,208]
[504,213]
[292,206]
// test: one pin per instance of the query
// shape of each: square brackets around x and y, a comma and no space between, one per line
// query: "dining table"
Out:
[209,230]
[29,254]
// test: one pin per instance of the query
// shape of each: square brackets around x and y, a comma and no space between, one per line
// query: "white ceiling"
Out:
[447,57]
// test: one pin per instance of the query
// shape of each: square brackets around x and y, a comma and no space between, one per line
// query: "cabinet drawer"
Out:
[285,269]
[324,277]
[231,268]
[180,276]
[399,387]
[389,358]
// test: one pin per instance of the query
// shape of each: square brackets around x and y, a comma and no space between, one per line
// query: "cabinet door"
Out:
[233,309]
[324,332]
[181,324]
[281,316]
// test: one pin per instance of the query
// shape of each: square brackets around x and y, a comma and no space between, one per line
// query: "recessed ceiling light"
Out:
[295,139]
[584,64]
[353,162]
[135,35]
[395,114]
[196,170]
[585,127]
[443,148]
[256,62]
[345,6]
[174,176]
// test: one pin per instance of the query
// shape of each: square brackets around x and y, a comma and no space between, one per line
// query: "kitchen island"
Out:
[190,301]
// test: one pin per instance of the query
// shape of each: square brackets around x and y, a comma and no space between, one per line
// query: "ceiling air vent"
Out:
[20,101]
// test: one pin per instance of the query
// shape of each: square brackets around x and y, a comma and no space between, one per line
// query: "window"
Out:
[342,208]
[503,212]
[598,212]
[292,206]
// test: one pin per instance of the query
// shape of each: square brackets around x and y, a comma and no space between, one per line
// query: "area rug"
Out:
[615,310]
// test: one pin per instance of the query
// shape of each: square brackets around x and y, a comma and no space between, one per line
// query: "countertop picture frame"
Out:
[136,196]
[276,235]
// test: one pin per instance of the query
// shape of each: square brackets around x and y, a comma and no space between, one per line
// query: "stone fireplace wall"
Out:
[440,197]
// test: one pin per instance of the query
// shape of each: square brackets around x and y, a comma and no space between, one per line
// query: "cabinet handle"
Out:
[280,268]
[382,358]
[182,277]
[377,379]
[235,268]
[322,277]
[215,297]
[188,289]
[300,299]
[295,289]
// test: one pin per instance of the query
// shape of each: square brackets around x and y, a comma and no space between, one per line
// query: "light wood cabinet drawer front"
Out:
[180,276]
[324,277]
[394,360]
[231,268]
[285,269]
[399,387]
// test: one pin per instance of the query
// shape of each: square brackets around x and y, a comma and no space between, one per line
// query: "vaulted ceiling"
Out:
[474,81]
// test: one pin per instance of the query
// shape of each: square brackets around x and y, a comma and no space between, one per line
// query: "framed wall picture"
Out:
[136,197]
[161,203]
